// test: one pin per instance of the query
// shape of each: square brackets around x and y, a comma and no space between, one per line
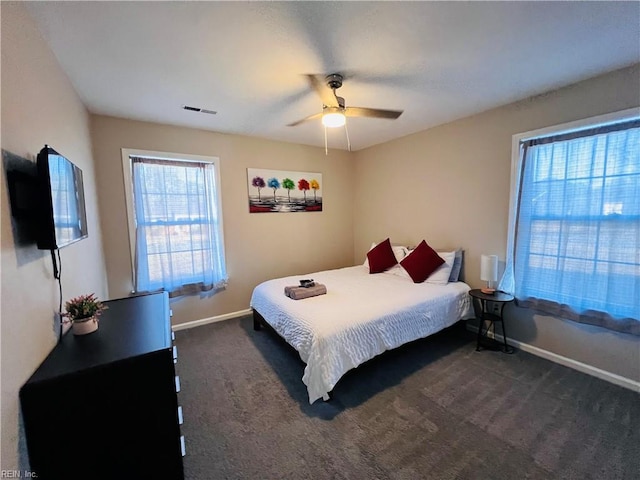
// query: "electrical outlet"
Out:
[495,307]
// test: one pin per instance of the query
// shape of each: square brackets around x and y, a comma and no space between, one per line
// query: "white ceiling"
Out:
[437,61]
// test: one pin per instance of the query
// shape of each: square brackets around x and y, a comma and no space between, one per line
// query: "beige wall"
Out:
[39,106]
[450,185]
[258,246]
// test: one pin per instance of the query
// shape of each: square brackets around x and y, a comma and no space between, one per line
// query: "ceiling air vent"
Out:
[198,109]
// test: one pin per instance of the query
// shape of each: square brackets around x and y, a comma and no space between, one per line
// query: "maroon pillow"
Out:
[381,257]
[421,262]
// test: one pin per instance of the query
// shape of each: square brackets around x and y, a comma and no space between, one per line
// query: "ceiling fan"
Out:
[334,110]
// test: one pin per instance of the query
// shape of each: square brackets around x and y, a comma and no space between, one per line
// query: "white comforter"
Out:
[361,316]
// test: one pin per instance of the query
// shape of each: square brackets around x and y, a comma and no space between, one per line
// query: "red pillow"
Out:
[421,262]
[381,257]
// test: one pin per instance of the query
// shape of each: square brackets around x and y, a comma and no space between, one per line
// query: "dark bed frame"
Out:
[258,320]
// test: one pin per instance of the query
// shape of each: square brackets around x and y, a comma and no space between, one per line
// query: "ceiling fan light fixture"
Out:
[333,117]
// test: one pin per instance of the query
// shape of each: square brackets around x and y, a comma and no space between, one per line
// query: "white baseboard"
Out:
[554,357]
[568,362]
[206,321]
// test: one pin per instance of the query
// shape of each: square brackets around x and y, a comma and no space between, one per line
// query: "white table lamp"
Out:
[489,272]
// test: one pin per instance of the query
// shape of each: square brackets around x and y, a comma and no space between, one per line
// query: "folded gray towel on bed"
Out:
[298,293]
[287,290]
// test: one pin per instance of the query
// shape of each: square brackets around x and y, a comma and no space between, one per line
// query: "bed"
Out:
[360,316]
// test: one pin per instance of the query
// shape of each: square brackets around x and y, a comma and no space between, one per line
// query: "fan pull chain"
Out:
[346,130]
[326,149]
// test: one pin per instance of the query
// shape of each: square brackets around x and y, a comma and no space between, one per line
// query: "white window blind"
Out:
[576,250]
[178,226]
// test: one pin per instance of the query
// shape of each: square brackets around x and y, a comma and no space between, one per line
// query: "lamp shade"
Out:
[333,117]
[489,268]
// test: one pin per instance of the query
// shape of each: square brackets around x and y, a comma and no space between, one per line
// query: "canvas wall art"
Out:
[282,191]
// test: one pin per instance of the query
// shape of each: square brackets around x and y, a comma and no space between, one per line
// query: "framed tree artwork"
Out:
[283,191]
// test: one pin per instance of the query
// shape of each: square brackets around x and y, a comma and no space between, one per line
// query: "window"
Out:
[175,222]
[574,248]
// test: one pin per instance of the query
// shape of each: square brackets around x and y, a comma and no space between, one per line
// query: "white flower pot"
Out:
[84,326]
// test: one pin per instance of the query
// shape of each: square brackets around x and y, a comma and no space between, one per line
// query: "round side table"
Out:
[481,303]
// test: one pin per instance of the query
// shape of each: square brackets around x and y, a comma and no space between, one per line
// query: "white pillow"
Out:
[398,271]
[441,275]
[454,276]
[437,277]
[399,252]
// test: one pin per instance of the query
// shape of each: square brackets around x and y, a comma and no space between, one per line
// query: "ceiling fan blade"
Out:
[310,117]
[325,93]
[372,113]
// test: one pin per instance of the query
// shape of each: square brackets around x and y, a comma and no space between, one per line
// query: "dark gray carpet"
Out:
[433,409]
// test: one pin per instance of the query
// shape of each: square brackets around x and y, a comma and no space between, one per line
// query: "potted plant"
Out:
[83,313]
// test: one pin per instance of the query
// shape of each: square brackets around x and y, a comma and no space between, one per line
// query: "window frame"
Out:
[508,281]
[127,170]
[559,129]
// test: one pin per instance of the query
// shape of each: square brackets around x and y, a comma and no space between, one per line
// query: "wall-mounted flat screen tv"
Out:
[62,217]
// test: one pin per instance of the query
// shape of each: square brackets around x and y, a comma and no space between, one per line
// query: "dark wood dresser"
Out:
[104,405]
